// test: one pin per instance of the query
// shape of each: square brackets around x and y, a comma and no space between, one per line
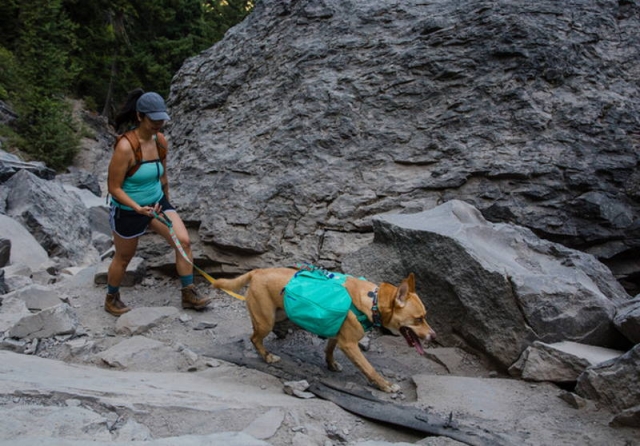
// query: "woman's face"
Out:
[151,125]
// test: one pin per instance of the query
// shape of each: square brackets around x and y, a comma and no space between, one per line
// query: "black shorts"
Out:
[130,224]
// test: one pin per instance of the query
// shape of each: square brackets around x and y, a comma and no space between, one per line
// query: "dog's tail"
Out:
[235,284]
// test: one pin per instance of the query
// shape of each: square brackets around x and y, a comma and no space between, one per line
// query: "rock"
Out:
[301,126]
[80,347]
[561,362]
[37,297]
[298,389]
[45,277]
[5,251]
[10,164]
[45,209]
[101,242]
[25,249]
[614,382]
[88,198]
[16,277]
[132,353]
[14,345]
[139,320]
[627,319]
[136,270]
[628,417]
[12,309]
[58,320]
[141,353]
[205,325]
[449,358]
[490,400]
[126,437]
[107,408]
[99,221]
[81,180]
[472,273]
[3,286]
[573,400]
[265,426]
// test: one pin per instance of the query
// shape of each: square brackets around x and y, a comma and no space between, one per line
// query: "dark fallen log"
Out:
[351,395]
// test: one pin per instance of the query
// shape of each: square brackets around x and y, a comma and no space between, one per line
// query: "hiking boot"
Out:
[113,305]
[191,299]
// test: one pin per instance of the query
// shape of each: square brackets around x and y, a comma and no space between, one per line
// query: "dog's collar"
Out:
[375,312]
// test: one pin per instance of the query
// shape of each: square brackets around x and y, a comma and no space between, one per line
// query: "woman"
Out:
[139,188]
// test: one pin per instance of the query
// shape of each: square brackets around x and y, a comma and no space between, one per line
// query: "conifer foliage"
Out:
[98,50]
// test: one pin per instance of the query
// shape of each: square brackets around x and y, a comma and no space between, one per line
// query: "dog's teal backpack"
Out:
[317,301]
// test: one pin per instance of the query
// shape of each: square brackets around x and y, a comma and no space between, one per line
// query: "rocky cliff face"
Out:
[311,117]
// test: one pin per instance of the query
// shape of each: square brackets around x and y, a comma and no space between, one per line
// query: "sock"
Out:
[112,289]
[186,280]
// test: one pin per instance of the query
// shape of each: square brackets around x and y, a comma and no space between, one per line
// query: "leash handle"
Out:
[162,217]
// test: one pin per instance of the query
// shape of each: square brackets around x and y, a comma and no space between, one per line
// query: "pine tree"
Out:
[42,50]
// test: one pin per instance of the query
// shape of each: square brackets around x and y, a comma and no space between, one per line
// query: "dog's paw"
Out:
[334,366]
[271,358]
[390,388]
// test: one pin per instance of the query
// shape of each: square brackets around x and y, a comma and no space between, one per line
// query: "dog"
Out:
[398,309]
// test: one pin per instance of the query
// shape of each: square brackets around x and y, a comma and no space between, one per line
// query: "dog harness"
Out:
[316,300]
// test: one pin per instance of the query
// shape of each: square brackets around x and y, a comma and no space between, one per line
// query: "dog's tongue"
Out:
[412,339]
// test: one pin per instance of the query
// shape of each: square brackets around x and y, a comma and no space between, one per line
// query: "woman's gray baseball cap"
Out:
[153,106]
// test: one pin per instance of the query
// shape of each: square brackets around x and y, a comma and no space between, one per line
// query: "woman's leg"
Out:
[125,249]
[184,267]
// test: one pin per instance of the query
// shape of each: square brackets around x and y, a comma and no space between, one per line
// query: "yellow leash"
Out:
[164,219]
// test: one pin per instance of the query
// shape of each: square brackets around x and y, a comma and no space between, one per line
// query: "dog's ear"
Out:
[407,286]
[411,281]
[401,293]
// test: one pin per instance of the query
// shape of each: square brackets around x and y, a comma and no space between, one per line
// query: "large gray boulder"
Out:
[497,286]
[310,117]
[58,220]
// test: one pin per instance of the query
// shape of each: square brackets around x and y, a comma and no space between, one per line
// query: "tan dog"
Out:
[399,309]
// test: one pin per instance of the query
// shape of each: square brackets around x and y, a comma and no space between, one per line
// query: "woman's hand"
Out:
[149,210]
